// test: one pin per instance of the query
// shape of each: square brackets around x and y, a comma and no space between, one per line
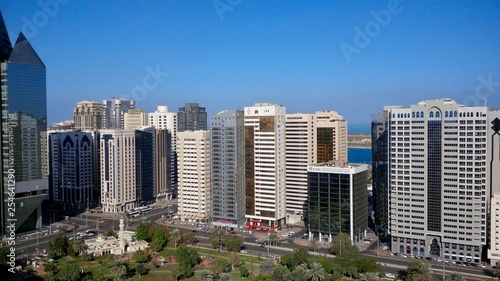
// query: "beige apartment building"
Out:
[193,148]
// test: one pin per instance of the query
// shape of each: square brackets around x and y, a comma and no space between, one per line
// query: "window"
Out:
[431,114]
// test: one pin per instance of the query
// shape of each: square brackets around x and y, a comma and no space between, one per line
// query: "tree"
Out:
[418,271]
[140,256]
[233,243]
[267,267]
[69,272]
[79,246]
[371,276]
[87,256]
[119,269]
[142,231]
[313,245]
[244,272]
[176,237]
[221,265]
[188,238]
[316,272]
[156,245]
[367,264]
[455,276]
[282,274]
[225,276]
[341,245]
[204,275]
[50,268]
[141,269]
[217,238]
[300,273]
[58,247]
[496,273]
[301,254]
[234,260]
[274,239]
[186,258]
[289,261]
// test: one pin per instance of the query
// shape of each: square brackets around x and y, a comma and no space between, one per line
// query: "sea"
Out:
[359,155]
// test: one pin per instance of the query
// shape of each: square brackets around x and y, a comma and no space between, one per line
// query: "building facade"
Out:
[493,181]
[265,164]
[192,117]
[227,167]
[145,165]
[114,112]
[71,158]
[337,201]
[135,118]
[311,139]
[193,148]
[118,170]
[23,131]
[437,170]
[88,116]
[166,121]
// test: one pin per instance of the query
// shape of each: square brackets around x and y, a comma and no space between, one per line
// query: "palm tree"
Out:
[274,239]
[79,246]
[119,269]
[300,273]
[176,237]
[267,267]
[316,272]
[225,276]
[204,276]
[371,276]
[421,272]
[455,276]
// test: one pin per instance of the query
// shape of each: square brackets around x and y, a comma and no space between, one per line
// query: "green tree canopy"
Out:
[69,272]
[267,267]
[217,238]
[140,256]
[187,258]
[233,243]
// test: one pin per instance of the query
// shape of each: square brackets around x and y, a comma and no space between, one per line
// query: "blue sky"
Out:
[285,52]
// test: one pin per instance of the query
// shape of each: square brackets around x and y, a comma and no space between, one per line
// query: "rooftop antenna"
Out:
[485,101]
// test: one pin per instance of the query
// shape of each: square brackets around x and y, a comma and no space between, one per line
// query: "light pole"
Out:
[73,231]
[268,243]
[444,277]
[37,243]
[87,217]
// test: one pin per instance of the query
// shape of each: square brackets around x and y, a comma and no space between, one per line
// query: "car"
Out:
[243,251]
[390,275]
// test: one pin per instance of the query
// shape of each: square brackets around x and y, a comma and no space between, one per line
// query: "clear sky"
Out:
[228,54]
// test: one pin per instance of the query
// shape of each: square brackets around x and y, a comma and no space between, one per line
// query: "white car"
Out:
[389,275]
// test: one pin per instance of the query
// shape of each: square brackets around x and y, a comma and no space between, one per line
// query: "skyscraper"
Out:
[380,144]
[118,170]
[145,165]
[166,121]
[265,164]
[192,117]
[227,166]
[24,130]
[193,148]
[88,116]
[114,112]
[310,139]
[71,169]
[135,118]
[437,174]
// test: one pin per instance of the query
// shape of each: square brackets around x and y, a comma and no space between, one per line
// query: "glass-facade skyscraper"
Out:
[23,131]
[192,117]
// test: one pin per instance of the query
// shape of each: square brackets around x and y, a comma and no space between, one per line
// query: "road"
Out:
[394,265]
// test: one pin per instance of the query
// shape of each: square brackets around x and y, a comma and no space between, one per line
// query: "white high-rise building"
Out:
[494,184]
[265,164]
[227,165]
[193,148]
[311,139]
[118,174]
[438,179]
